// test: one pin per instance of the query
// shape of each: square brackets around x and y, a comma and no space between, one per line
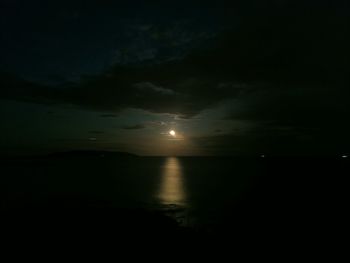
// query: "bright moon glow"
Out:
[172,133]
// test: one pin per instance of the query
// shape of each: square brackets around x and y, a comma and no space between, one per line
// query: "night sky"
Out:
[241,77]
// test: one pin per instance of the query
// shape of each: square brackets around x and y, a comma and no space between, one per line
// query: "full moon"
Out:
[172,133]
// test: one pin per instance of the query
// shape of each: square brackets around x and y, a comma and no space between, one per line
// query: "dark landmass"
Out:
[91,154]
[77,154]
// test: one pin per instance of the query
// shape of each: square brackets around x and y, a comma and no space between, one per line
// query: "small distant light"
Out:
[262,156]
[344,156]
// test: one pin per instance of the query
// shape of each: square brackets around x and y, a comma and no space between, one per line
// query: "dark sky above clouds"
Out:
[230,77]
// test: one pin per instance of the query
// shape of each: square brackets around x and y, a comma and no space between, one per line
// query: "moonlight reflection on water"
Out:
[172,189]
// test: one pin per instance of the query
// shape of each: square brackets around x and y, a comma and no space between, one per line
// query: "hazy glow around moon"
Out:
[172,133]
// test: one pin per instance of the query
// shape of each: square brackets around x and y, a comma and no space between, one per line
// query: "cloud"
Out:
[96,132]
[272,140]
[286,69]
[147,86]
[134,127]
[108,115]
[298,107]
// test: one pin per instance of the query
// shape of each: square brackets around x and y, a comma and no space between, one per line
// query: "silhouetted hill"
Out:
[91,154]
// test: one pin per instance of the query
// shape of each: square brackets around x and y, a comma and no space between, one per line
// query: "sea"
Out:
[198,192]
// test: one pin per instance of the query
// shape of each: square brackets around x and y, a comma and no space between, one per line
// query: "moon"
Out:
[172,133]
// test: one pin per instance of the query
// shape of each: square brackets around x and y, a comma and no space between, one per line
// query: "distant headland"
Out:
[91,153]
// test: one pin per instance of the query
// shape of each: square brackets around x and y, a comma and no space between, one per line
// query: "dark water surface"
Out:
[196,191]
[200,187]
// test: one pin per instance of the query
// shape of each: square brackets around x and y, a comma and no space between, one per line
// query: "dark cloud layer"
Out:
[282,51]
[108,115]
[134,127]
[96,132]
[283,65]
